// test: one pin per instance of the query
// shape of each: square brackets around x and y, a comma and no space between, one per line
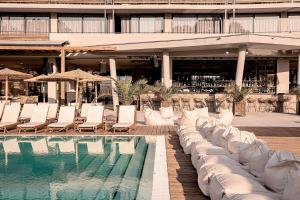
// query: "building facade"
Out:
[199,45]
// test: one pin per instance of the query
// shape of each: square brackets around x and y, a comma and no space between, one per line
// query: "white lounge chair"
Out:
[126,118]
[10,117]
[26,112]
[94,119]
[65,119]
[52,112]
[37,120]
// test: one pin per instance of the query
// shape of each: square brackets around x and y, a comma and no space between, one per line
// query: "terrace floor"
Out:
[182,175]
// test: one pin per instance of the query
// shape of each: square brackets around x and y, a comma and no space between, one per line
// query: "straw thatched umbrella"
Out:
[37,79]
[51,78]
[8,75]
[78,75]
[96,79]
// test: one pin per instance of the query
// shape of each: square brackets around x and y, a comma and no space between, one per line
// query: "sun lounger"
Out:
[37,121]
[10,117]
[65,119]
[94,119]
[52,112]
[26,112]
[126,118]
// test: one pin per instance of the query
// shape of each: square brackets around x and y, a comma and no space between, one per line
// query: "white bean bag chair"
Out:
[292,188]
[205,173]
[200,122]
[167,113]
[253,196]
[208,127]
[240,141]
[184,129]
[187,141]
[277,170]
[153,118]
[255,149]
[204,160]
[224,184]
[209,149]
[226,117]
[257,164]
[189,118]
[202,112]
[219,135]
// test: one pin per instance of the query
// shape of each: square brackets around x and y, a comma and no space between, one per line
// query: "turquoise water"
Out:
[76,167]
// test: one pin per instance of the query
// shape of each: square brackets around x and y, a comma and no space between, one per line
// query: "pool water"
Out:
[76,167]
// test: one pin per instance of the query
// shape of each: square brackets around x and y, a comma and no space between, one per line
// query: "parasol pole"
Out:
[6,89]
[76,95]
[96,92]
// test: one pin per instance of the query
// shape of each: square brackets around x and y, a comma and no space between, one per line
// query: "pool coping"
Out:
[160,189]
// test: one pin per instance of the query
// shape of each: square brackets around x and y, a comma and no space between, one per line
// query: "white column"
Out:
[298,73]
[166,76]
[111,23]
[240,66]
[53,23]
[52,86]
[168,23]
[113,74]
[226,23]
[283,76]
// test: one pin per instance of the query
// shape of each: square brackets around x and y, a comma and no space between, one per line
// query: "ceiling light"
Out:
[227,52]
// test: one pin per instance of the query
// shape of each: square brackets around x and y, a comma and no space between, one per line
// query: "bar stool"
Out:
[251,104]
[186,103]
[156,103]
[271,102]
[286,102]
[145,103]
[210,102]
[176,104]
[262,104]
[199,103]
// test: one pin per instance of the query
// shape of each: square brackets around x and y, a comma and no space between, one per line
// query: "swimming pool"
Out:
[112,167]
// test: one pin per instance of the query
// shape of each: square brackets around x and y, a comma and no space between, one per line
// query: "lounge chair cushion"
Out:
[257,148]
[291,190]
[277,170]
[122,125]
[223,184]
[4,124]
[88,125]
[240,141]
[253,196]
[206,172]
[60,124]
[31,125]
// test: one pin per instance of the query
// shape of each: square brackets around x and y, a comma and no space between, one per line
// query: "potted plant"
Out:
[164,93]
[296,91]
[238,94]
[129,91]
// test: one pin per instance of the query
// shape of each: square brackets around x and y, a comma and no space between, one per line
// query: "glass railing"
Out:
[23,36]
[138,2]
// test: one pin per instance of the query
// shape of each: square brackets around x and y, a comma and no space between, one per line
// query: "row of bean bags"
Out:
[164,117]
[234,164]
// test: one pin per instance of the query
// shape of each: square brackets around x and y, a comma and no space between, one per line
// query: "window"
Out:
[142,24]
[294,22]
[82,24]
[196,24]
[37,24]
[13,23]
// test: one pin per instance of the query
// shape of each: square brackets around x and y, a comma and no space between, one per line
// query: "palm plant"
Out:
[129,91]
[296,91]
[165,93]
[237,93]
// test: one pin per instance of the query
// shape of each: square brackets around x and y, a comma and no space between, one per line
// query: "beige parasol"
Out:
[97,78]
[8,74]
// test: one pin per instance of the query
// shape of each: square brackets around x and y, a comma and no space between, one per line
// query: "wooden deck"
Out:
[182,175]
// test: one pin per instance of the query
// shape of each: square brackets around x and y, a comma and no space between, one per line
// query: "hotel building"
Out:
[200,45]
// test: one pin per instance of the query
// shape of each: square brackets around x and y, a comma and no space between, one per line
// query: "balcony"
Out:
[24,36]
[140,2]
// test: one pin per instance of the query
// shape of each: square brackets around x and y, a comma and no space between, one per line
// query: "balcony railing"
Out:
[23,36]
[138,2]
